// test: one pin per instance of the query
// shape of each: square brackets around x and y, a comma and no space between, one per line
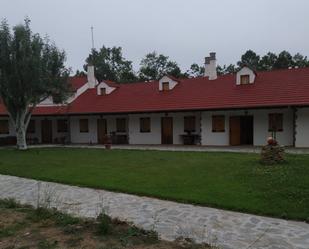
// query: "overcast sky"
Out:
[185,30]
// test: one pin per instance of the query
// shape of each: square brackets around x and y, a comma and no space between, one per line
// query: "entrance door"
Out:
[102,130]
[47,131]
[167,130]
[246,127]
[241,130]
[234,130]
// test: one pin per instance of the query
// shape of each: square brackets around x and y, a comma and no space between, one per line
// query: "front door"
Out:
[102,130]
[167,130]
[47,131]
[241,130]
[234,130]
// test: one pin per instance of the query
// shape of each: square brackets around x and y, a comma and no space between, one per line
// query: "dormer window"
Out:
[244,79]
[245,76]
[165,86]
[167,83]
[102,91]
[105,88]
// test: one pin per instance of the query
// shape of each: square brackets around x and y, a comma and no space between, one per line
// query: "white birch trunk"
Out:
[21,137]
[21,122]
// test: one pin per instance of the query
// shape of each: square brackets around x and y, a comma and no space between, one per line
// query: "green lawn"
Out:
[232,181]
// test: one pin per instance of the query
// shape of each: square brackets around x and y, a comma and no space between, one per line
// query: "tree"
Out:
[195,71]
[267,62]
[300,60]
[284,60]
[80,73]
[31,70]
[250,58]
[230,69]
[154,66]
[110,64]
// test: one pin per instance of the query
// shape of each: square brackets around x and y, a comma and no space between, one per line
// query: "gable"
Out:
[245,71]
[104,85]
[167,80]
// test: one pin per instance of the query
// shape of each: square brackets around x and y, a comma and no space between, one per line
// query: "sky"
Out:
[184,30]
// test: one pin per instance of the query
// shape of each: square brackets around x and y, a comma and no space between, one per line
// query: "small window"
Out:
[189,124]
[121,125]
[4,127]
[218,123]
[62,125]
[103,91]
[165,86]
[275,122]
[144,124]
[83,125]
[244,79]
[31,126]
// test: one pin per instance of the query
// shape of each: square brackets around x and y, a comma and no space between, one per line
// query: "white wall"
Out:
[84,137]
[260,127]
[302,128]
[38,128]
[154,136]
[92,135]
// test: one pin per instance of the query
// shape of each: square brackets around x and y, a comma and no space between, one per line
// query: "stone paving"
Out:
[237,149]
[225,229]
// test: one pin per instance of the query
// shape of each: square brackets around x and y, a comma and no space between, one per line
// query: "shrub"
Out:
[272,153]
[103,224]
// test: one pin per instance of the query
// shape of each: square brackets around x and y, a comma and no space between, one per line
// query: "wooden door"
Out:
[167,130]
[234,130]
[102,130]
[47,131]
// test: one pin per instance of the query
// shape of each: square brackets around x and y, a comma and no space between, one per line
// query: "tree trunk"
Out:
[21,120]
[21,137]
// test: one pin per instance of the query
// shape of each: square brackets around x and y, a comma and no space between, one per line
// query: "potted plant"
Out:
[108,142]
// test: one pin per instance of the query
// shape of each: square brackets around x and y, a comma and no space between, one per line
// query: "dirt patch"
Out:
[26,228]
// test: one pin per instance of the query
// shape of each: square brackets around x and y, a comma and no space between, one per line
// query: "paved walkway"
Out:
[225,229]
[238,149]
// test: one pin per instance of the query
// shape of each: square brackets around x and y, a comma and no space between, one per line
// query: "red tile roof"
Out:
[77,81]
[275,88]
[289,87]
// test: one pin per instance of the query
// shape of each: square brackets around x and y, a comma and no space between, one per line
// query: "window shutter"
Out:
[218,123]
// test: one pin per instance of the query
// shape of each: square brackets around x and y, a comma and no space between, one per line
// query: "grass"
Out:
[233,181]
[25,227]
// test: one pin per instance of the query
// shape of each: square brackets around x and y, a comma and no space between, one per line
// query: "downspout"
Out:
[294,109]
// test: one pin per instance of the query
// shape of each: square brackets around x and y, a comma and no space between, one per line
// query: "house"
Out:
[236,109]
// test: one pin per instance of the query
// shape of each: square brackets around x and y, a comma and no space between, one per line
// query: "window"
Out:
[244,79]
[144,124]
[275,122]
[218,123]
[103,91]
[121,125]
[83,125]
[189,124]
[165,86]
[31,127]
[4,127]
[62,125]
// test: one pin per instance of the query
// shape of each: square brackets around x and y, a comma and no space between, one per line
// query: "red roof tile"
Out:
[276,88]
[77,81]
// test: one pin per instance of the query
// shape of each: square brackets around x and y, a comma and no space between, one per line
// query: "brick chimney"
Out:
[90,76]
[211,66]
